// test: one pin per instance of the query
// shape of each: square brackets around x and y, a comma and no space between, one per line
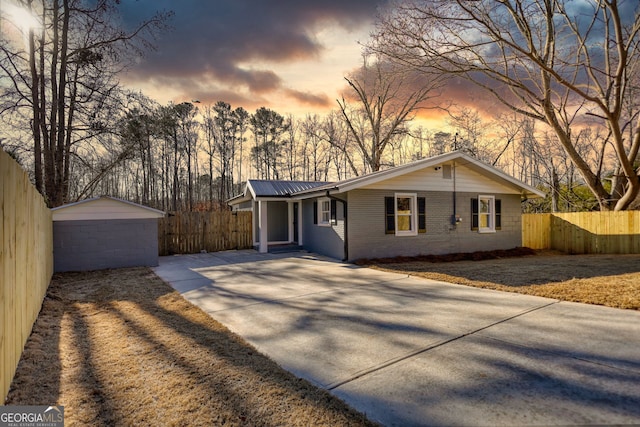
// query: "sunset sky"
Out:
[289,56]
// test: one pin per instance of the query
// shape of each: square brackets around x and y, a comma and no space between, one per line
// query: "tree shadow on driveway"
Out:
[133,352]
[406,350]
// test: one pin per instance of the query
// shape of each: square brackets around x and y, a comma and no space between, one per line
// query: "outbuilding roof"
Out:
[104,207]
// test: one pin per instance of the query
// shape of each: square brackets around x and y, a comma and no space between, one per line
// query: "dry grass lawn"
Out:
[120,347]
[610,280]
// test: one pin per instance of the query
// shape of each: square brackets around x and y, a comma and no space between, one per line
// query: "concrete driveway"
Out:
[409,351]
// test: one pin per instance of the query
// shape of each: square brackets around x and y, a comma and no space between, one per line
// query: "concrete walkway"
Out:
[410,351]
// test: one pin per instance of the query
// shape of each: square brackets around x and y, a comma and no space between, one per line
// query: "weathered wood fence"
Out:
[26,263]
[193,232]
[583,232]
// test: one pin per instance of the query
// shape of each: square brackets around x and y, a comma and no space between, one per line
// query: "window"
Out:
[325,212]
[405,214]
[486,215]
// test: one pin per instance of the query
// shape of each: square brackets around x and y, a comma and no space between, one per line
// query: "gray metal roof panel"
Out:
[276,188]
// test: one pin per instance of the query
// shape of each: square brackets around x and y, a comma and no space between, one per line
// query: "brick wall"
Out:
[324,240]
[99,244]
[367,238]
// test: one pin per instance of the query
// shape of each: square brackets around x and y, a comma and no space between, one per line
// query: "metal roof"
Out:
[306,189]
[276,188]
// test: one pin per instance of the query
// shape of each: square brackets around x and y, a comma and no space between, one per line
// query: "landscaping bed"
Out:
[610,280]
[121,347]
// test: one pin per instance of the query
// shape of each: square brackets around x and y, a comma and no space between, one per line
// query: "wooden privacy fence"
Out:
[193,232]
[583,232]
[26,263]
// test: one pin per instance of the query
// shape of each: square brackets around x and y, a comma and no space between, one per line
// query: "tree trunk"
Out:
[35,104]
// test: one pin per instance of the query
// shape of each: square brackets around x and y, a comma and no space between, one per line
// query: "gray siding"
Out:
[367,238]
[324,240]
[244,206]
[99,244]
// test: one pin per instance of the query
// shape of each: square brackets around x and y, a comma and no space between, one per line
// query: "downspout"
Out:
[454,217]
[346,229]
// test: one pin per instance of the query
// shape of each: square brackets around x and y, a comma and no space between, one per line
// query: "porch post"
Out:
[300,238]
[255,227]
[262,227]
[290,221]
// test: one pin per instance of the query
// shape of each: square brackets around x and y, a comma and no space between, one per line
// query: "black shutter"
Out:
[334,215]
[422,215]
[390,215]
[315,212]
[474,214]
[498,206]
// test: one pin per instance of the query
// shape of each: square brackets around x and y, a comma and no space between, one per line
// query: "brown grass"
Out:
[120,347]
[610,280]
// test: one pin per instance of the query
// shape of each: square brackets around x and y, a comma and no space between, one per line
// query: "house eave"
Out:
[456,156]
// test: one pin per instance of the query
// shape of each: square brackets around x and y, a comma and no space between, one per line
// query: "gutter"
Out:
[346,228]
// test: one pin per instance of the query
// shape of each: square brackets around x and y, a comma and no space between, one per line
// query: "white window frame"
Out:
[414,213]
[321,212]
[491,215]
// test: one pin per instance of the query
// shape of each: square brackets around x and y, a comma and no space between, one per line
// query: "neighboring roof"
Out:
[256,188]
[104,207]
[458,156]
[304,189]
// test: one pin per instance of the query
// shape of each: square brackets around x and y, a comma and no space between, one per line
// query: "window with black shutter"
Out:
[315,212]
[390,220]
[409,214]
[324,208]
[422,215]
[486,214]
[474,214]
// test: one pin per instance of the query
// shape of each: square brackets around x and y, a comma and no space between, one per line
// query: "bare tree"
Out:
[242,120]
[136,136]
[541,58]
[185,114]
[421,142]
[65,77]
[387,98]
[509,127]
[209,145]
[291,143]
[316,153]
[471,133]
[335,133]
[226,126]
[268,127]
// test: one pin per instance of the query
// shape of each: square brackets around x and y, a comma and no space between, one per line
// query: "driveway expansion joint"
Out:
[412,354]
